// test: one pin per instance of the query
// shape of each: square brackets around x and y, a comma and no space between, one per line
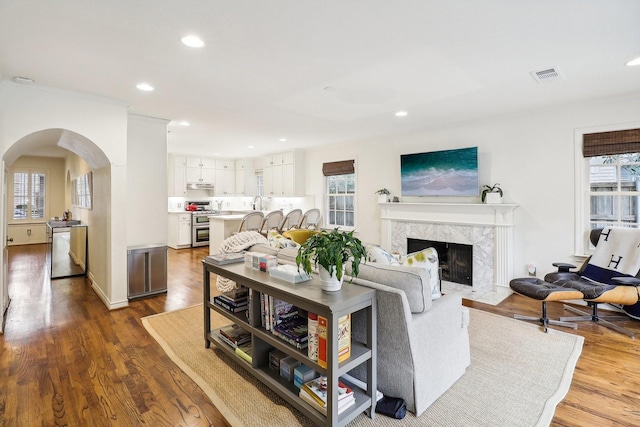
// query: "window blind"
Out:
[338,168]
[609,143]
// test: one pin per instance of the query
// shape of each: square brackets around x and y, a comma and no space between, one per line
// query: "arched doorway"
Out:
[80,155]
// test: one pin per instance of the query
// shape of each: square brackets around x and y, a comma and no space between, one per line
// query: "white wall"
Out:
[147,220]
[531,155]
[101,125]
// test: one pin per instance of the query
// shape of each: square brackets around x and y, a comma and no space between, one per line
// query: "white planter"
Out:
[493,198]
[382,198]
[328,281]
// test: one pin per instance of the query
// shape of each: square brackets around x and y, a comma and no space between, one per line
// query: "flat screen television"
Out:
[440,173]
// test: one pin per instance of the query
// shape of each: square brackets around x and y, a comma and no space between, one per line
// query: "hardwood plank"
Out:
[66,360]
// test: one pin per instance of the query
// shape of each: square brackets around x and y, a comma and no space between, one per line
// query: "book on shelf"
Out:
[343,405]
[312,333]
[315,392]
[231,307]
[281,311]
[344,339]
[222,259]
[234,335]
[245,351]
[295,329]
[236,295]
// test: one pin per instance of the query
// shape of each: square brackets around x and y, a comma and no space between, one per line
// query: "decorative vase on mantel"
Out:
[329,282]
[382,198]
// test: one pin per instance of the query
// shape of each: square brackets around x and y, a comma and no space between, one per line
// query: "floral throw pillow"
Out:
[278,241]
[427,259]
[380,256]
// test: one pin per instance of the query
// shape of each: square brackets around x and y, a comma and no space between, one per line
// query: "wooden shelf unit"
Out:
[307,296]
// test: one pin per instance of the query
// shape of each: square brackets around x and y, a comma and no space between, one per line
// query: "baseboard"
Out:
[105,300]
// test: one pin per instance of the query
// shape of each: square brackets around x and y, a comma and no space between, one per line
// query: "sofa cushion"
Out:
[287,255]
[427,259]
[278,241]
[413,281]
[263,248]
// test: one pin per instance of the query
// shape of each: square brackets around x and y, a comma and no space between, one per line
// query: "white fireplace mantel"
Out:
[489,227]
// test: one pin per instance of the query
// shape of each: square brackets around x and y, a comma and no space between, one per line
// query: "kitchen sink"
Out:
[69,223]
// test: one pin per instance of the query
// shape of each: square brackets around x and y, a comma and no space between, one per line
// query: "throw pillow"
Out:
[278,241]
[427,259]
[380,256]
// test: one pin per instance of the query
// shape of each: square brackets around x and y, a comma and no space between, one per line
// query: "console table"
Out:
[307,296]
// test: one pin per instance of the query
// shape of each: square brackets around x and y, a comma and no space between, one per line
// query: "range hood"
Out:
[199,186]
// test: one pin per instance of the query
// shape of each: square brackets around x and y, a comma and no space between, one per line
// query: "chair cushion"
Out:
[535,288]
[413,281]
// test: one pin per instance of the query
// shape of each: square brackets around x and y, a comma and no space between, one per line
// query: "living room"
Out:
[532,146]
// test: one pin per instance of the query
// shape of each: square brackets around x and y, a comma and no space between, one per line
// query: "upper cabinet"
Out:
[177,174]
[245,178]
[284,174]
[201,170]
[225,175]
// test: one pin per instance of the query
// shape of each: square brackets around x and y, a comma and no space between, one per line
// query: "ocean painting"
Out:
[440,173]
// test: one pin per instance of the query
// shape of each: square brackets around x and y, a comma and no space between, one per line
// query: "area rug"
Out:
[518,375]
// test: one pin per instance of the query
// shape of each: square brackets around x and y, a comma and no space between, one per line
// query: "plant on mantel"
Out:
[488,189]
[382,195]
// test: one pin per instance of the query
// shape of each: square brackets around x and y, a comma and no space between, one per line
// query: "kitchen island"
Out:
[221,227]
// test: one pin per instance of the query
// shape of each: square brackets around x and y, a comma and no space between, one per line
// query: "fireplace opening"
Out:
[455,259]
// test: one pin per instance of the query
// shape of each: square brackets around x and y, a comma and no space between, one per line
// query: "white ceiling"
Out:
[321,72]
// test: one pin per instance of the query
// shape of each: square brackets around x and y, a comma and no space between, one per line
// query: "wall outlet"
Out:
[179,205]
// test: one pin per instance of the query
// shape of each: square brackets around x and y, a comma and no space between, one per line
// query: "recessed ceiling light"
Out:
[401,113]
[250,146]
[192,41]
[183,123]
[283,139]
[633,62]
[145,86]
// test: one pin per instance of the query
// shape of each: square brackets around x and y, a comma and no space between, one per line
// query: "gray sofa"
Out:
[423,344]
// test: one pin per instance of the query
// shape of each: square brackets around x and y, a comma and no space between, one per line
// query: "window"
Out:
[29,195]
[614,189]
[607,182]
[340,195]
[84,185]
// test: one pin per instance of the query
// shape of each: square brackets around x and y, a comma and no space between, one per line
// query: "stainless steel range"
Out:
[200,223]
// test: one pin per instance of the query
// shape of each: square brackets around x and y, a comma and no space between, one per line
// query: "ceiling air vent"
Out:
[547,75]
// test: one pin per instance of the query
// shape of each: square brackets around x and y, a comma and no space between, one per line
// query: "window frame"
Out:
[327,196]
[29,209]
[582,187]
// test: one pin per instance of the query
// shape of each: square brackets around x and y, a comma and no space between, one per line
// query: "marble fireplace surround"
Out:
[488,227]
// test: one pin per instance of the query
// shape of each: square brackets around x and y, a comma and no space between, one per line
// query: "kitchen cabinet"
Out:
[225,180]
[284,174]
[177,174]
[201,170]
[245,178]
[180,230]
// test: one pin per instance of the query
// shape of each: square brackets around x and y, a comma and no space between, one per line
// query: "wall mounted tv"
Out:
[440,173]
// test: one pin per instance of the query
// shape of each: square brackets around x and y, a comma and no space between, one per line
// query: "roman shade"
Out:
[609,143]
[338,168]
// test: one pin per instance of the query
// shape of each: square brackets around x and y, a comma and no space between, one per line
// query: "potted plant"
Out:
[330,250]
[382,195]
[492,194]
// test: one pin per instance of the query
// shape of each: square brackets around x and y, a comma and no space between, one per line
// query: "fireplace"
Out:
[487,228]
[455,259]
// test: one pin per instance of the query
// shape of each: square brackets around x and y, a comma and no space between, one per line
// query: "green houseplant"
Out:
[331,250]
[487,189]
[382,195]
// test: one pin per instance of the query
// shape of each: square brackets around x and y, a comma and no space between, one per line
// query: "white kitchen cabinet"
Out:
[284,174]
[177,176]
[201,170]
[179,230]
[225,178]
[245,178]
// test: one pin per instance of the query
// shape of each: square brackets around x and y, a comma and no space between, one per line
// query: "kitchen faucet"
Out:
[255,200]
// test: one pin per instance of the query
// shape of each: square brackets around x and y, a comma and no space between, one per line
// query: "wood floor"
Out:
[67,361]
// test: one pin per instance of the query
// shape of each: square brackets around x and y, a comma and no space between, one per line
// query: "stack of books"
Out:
[234,335]
[245,351]
[314,392]
[222,259]
[285,321]
[234,301]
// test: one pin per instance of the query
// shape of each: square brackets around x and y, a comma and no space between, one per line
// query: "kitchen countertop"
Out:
[226,217]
